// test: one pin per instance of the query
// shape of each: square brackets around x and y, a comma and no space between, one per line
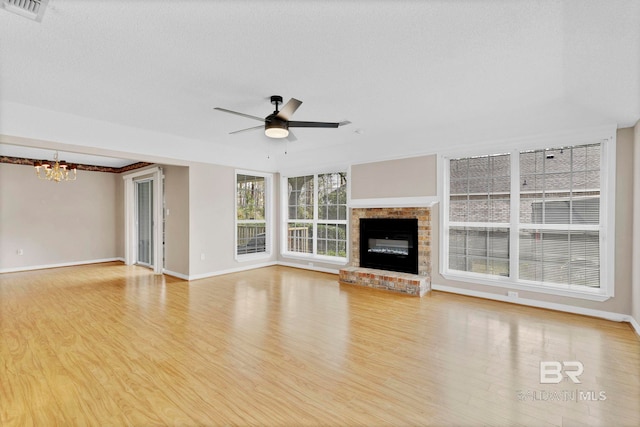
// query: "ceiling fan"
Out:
[277,124]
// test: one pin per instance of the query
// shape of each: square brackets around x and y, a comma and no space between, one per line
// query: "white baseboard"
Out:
[634,324]
[250,267]
[63,264]
[617,317]
[231,270]
[174,274]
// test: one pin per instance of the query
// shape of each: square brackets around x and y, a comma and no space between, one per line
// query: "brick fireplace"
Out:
[412,284]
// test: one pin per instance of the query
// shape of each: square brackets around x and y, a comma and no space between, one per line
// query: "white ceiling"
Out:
[141,78]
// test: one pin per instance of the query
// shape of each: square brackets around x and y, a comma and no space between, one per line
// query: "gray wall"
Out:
[212,198]
[56,223]
[85,219]
[390,178]
[176,198]
[118,214]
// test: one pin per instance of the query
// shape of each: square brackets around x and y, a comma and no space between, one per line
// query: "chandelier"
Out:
[55,171]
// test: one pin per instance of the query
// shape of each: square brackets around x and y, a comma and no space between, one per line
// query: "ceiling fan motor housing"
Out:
[275,127]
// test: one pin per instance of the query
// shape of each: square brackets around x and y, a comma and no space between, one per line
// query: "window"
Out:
[251,214]
[533,219]
[316,215]
[479,214]
[560,216]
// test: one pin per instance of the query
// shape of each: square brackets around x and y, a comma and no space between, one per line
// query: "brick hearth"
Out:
[412,284]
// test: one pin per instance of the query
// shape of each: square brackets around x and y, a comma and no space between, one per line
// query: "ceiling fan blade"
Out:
[240,114]
[247,129]
[344,123]
[313,125]
[291,137]
[289,108]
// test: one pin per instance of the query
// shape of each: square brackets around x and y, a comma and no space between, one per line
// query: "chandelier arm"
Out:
[56,171]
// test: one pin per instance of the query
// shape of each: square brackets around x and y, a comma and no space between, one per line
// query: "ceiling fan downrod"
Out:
[275,100]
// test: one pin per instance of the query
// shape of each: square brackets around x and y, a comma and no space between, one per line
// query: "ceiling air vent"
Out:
[31,9]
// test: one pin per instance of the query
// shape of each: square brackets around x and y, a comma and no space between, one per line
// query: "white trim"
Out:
[531,142]
[442,170]
[247,268]
[252,257]
[316,170]
[141,172]
[63,264]
[231,270]
[315,221]
[343,261]
[309,267]
[394,202]
[129,222]
[268,215]
[616,317]
[634,324]
[608,166]
[500,282]
[175,274]
[158,221]
[130,239]
[605,228]
[347,258]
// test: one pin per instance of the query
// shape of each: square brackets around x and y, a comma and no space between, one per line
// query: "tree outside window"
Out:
[250,214]
[317,215]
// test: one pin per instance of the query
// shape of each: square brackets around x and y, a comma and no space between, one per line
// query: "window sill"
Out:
[252,257]
[587,294]
[318,258]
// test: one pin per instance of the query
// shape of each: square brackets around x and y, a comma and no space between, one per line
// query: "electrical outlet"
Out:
[512,294]
[20,252]
[202,256]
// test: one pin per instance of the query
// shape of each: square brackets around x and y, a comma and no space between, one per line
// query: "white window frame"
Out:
[268,215]
[284,209]
[606,228]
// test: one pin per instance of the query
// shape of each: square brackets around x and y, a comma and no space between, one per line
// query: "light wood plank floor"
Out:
[114,345]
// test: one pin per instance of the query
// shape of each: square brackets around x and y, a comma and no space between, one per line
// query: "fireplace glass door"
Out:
[389,244]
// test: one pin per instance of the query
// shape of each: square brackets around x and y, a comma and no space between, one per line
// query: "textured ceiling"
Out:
[141,78]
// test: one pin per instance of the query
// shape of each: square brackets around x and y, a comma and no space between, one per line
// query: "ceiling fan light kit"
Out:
[277,124]
[276,129]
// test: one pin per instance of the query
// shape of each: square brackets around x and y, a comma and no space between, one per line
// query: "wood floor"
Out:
[114,345]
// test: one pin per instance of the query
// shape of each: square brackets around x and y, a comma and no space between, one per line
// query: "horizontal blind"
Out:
[559,239]
[479,195]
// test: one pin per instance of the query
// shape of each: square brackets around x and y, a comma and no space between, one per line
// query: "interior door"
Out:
[144,222]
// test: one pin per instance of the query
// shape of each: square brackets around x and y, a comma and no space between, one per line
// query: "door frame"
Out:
[130,237]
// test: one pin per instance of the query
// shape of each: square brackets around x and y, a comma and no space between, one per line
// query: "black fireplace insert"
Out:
[389,244]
